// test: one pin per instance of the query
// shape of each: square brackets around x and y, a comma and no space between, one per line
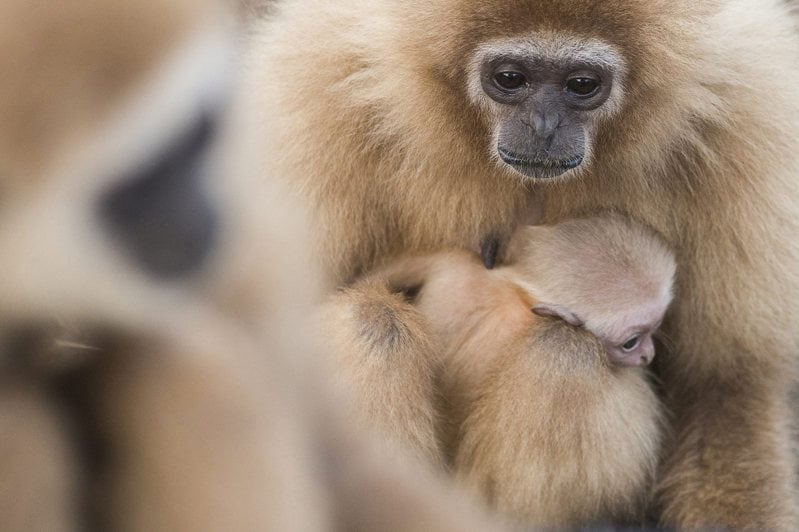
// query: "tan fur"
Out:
[537,419]
[370,111]
[68,69]
[549,433]
[133,403]
[143,411]
[392,354]
[37,127]
[254,9]
[201,437]
[39,479]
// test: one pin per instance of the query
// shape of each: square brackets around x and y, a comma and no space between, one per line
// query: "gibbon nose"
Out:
[545,123]
[161,216]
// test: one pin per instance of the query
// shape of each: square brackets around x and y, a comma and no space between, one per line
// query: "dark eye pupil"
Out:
[582,86]
[510,80]
[630,344]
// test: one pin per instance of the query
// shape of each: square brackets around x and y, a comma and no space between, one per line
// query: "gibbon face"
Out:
[107,136]
[554,81]
[607,273]
[545,95]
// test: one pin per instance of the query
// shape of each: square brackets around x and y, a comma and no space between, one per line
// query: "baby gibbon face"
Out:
[634,347]
[627,337]
[608,274]
[638,350]
[544,95]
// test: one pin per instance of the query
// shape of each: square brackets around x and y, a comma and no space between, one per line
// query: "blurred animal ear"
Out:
[557,311]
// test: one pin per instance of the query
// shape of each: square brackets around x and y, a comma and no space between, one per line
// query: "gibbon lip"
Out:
[540,167]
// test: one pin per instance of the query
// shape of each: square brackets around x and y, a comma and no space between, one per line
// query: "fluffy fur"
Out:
[401,361]
[597,267]
[509,378]
[104,423]
[370,112]
[548,432]
[535,417]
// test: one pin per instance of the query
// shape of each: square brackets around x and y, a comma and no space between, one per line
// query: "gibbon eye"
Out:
[631,344]
[582,86]
[510,80]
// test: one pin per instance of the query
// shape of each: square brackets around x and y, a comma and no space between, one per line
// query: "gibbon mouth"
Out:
[540,168]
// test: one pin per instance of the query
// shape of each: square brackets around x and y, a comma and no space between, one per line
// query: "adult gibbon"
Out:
[416,125]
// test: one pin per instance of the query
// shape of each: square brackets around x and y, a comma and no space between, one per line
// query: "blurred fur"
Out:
[134,403]
[121,408]
[39,480]
[373,122]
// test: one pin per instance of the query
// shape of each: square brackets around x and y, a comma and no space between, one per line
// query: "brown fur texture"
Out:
[548,432]
[372,118]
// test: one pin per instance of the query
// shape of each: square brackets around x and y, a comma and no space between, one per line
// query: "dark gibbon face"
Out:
[159,213]
[545,95]
[127,213]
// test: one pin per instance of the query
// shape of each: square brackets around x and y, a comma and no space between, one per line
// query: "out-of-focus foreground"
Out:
[157,370]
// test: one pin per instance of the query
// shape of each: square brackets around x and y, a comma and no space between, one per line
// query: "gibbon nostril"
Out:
[161,215]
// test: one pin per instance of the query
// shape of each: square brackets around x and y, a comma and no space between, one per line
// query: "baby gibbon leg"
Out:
[387,363]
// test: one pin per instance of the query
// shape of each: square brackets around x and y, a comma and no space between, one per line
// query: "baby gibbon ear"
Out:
[557,311]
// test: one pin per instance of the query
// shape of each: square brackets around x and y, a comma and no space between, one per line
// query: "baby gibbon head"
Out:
[606,273]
